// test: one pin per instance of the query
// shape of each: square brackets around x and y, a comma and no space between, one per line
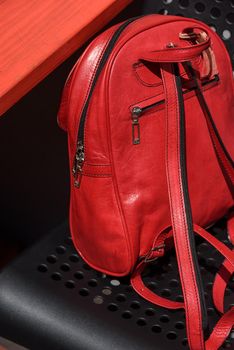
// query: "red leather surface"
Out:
[144,165]
[122,203]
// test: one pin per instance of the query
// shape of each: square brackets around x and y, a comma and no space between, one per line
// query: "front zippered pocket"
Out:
[140,109]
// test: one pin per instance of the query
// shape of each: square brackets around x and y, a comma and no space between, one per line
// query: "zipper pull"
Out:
[136,112]
[78,164]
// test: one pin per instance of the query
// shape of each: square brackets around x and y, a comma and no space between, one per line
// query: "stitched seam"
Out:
[76,131]
[96,170]
[76,241]
[184,218]
[95,266]
[176,51]
[180,265]
[72,77]
[115,185]
[136,67]
[101,165]
[148,84]
[96,175]
[178,59]
[142,82]
[77,122]
[183,48]
[94,74]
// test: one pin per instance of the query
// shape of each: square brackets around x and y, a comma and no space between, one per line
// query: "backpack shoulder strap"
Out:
[181,217]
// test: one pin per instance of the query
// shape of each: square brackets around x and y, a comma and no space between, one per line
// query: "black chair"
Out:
[50,299]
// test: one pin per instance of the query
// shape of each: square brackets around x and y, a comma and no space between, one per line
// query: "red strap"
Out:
[139,286]
[178,213]
[221,247]
[227,167]
[178,54]
[225,273]
[221,331]
[224,326]
[220,283]
[182,236]
[178,193]
[146,293]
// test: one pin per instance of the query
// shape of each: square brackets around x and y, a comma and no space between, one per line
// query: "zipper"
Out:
[138,111]
[79,157]
[78,164]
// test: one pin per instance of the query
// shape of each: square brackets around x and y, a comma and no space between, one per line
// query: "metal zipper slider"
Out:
[136,112]
[78,164]
[78,179]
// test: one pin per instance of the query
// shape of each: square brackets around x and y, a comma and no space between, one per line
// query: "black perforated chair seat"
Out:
[50,299]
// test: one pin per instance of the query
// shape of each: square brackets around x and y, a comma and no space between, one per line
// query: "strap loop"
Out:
[174,53]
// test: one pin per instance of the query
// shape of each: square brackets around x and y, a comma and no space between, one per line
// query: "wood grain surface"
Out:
[37,35]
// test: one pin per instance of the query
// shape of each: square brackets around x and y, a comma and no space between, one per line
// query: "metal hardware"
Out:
[78,179]
[136,112]
[78,164]
[158,248]
[170,45]
[188,36]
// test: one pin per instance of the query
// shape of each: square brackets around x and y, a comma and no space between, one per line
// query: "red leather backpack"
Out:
[149,111]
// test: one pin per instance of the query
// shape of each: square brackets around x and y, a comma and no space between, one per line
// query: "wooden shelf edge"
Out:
[44,68]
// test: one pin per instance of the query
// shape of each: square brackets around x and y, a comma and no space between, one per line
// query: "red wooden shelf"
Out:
[38,35]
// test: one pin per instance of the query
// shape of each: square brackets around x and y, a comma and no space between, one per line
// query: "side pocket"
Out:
[96,224]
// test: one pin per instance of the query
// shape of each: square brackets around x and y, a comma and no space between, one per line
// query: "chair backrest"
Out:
[219,14]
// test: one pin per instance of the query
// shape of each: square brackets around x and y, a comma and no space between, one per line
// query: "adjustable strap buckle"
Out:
[149,257]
